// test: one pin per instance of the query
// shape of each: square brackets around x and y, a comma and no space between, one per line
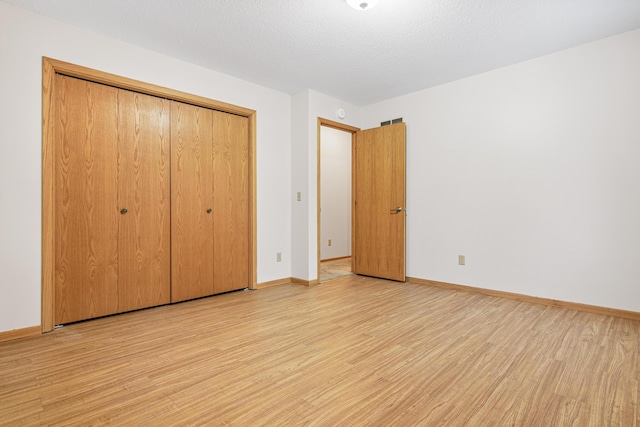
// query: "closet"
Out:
[151,200]
[209,202]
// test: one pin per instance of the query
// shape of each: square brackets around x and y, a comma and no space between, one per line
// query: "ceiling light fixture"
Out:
[362,4]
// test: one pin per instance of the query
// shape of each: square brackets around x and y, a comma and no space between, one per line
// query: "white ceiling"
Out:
[360,57]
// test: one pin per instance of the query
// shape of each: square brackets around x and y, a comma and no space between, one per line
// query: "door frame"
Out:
[51,67]
[346,128]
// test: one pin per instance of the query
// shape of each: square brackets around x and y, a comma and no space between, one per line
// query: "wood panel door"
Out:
[86,202]
[106,149]
[144,237]
[191,202]
[379,231]
[112,200]
[209,202]
[230,202]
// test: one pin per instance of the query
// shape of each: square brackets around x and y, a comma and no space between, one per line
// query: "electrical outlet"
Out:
[329,242]
[461,260]
[299,196]
[279,257]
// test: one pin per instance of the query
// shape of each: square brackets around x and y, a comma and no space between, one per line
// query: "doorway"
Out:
[335,223]
[335,199]
[378,214]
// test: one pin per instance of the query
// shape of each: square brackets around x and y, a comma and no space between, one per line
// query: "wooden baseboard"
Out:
[335,259]
[20,333]
[286,280]
[304,282]
[625,314]
[272,283]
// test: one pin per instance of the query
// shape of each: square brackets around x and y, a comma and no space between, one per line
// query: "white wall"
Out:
[533,173]
[300,184]
[26,37]
[335,193]
[310,105]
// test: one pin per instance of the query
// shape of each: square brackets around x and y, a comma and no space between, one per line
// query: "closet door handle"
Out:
[123,211]
[209,210]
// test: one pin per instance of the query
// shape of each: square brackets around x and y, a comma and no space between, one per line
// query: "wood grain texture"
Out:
[277,282]
[49,242]
[144,189]
[379,248]
[98,76]
[20,333]
[364,224]
[191,197]
[356,351]
[337,125]
[86,215]
[336,259]
[304,282]
[230,202]
[253,207]
[48,196]
[626,314]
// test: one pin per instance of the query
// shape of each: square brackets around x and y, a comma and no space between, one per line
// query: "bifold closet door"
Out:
[191,202]
[144,194]
[209,202]
[231,202]
[86,200]
[111,200]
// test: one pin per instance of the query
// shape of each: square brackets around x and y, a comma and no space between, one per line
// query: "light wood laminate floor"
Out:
[353,351]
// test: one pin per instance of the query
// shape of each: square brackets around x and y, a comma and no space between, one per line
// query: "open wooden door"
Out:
[379,202]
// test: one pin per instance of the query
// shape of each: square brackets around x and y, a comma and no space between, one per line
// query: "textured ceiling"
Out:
[360,57]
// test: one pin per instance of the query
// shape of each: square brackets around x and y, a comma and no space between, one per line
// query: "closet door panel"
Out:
[86,215]
[191,200]
[231,202]
[144,200]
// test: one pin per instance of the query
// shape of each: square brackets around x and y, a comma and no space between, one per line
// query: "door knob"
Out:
[123,211]
[396,210]
[209,210]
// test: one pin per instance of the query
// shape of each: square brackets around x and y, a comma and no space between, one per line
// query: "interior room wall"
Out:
[300,233]
[335,193]
[307,106]
[531,172]
[25,38]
